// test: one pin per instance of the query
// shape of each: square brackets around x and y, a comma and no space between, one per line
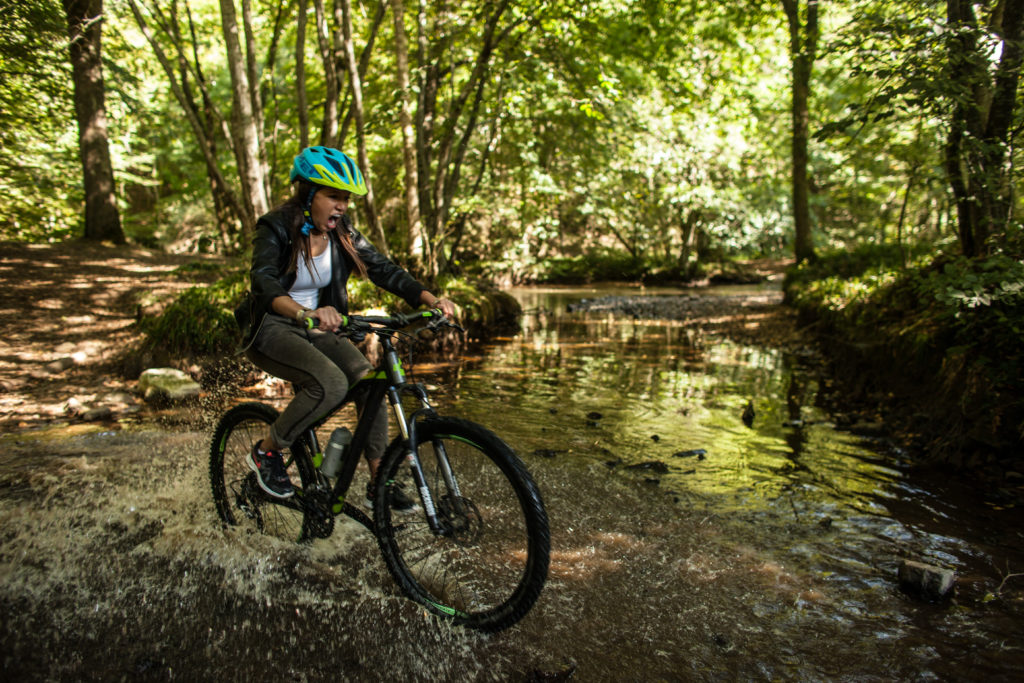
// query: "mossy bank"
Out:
[932,346]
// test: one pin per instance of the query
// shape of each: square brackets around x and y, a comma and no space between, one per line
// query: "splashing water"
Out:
[713,551]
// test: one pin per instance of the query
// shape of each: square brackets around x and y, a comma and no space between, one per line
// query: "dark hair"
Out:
[295,204]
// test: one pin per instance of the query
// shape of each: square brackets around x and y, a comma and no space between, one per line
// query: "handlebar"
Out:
[361,324]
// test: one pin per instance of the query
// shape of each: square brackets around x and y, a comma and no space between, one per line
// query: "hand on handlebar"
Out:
[446,306]
[329,320]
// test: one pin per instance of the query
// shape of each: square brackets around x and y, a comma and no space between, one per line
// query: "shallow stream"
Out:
[687,544]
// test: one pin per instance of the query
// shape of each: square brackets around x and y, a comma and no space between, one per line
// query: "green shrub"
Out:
[199,321]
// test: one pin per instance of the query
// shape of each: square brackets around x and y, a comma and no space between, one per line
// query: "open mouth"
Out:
[333,220]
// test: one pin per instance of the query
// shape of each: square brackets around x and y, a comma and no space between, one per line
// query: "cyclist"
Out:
[303,254]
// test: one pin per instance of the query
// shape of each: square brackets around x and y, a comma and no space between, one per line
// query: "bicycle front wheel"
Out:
[236,493]
[486,564]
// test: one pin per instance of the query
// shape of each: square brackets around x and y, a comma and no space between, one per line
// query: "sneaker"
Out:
[399,501]
[270,472]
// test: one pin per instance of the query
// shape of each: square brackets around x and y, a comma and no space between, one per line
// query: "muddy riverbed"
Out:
[687,544]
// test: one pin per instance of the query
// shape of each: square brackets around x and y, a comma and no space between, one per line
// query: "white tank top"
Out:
[306,290]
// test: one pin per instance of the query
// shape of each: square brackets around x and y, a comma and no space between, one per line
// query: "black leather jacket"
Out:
[269,276]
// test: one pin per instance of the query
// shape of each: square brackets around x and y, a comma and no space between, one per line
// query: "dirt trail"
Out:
[69,311]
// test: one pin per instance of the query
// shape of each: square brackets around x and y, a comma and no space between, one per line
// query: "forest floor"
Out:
[68,318]
[70,314]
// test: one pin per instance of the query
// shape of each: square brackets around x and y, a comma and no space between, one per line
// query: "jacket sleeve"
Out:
[268,258]
[386,274]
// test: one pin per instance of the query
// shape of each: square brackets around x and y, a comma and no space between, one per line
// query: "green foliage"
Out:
[199,321]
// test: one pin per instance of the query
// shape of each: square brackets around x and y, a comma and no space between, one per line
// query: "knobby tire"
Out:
[488,568]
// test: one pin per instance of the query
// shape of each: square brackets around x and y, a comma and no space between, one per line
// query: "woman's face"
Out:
[329,204]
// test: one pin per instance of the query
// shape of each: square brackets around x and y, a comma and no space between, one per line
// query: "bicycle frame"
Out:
[388,379]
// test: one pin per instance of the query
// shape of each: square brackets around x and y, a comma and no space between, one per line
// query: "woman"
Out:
[303,254]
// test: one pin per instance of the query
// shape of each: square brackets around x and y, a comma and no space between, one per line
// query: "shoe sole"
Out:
[259,480]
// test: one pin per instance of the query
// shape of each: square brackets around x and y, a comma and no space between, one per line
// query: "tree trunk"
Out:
[364,57]
[977,154]
[300,74]
[355,83]
[803,46]
[102,219]
[245,130]
[199,129]
[417,249]
[329,130]
[227,219]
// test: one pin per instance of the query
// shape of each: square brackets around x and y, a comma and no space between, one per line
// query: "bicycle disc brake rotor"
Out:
[461,522]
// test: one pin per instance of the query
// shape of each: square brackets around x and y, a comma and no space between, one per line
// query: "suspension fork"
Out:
[411,440]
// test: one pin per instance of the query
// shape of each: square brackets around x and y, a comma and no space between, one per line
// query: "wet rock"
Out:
[60,365]
[650,466]
[97,414]
[655,438]
[929,581]
[167,384]
[653,481]
[594,415]
[698,453]
[748,414]
[612,464]
[825,523]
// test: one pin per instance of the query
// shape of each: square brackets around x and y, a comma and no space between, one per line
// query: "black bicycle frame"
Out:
[391,382]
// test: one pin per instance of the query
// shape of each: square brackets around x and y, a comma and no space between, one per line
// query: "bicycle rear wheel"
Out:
[236,493]
[487,566]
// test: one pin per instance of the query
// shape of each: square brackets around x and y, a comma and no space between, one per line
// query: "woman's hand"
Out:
[447,306]
[330,319]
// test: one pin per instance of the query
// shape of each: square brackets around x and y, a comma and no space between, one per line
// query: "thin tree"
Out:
[412,205]
[356,84]
[84,21]
[245,131]
[803,45]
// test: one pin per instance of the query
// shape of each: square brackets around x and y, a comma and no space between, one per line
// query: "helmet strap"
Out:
[307,226]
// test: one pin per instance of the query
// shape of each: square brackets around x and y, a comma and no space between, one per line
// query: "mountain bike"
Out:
[476,550]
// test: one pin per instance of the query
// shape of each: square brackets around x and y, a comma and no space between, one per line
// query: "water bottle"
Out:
[335,451]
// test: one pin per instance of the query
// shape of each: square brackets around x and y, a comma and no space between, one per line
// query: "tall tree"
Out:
[356,84]
[984,106]
[84,22]
[414,231]
[245,131]
[803,46]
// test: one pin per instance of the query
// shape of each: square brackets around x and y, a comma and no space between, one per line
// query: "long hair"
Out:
[295,204]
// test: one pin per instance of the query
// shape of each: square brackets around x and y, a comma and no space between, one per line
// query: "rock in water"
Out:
[167,384]
[748,414]
[925,579]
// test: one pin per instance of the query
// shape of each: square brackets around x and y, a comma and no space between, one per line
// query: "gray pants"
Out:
[322,366]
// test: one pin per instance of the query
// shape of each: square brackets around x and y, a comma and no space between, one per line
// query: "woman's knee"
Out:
[327,388]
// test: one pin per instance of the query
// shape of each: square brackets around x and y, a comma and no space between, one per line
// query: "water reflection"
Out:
[822,514]
[604,388]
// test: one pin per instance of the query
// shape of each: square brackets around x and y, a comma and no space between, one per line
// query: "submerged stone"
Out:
[926,580]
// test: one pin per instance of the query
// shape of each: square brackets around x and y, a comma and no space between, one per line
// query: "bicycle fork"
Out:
[411,441]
